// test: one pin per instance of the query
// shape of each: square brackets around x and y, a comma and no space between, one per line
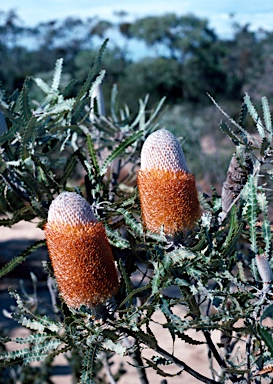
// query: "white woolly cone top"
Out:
[161,150]
[70,208]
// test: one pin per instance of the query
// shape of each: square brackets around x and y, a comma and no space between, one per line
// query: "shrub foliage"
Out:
[220,271]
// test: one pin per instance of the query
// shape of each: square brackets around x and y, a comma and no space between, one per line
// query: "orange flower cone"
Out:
[80,253]
[167,191]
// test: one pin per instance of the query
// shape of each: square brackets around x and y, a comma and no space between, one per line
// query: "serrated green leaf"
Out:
[156,281]
[252,111]
[119,150]
[160,371]
[241,271]
[135,292]
[57,75]
[28,137]
[181,254]
[234,232]
[266,227]
[88,367]
[68,169]
[268,312]
[267,118]
[250,210]
[40,323]
[243,115]
[245,135]
[267,338]
[114,347]
[264,146]
[34,338]
[20,258]
[128,284]
[24,101]
[9,135]
[92,154]
[228,131]
[131,221]
[83,93]
[116,239]
[41,84]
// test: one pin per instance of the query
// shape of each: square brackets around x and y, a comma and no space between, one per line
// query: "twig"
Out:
[213,349]
[153,345]
[184,366]
[109,374]
[136,356]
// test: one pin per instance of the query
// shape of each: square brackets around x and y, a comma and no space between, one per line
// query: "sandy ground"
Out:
[23,234]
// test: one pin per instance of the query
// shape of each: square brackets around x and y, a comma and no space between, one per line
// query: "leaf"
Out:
[267,338]
[40,324]
[264,146]
[34,338]
[57,75]
[179,255]
[156,281]
[24,101]
[234,232]
[88,83]
[119,150]
[160,371]
[20,258]
[9,135]
[43,85]
[128,284]
[115,238]
[131,221]
[24,213]
[246,136]
[68,169]
[228,131]
[135,292]
[92,154]
[267,118]
[170,316]
[114,94]
[36,352]
[250,210]
[268,312]
[29,135]
[243,115]
[114,347]
[88,367]
[99,98]
[252,111]
[266,227]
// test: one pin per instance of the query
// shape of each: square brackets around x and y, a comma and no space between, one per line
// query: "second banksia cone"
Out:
[167,191]
[80,253]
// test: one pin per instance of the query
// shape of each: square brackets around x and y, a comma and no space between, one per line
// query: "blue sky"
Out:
[257,13]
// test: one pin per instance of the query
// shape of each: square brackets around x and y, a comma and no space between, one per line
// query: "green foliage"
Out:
[63,144]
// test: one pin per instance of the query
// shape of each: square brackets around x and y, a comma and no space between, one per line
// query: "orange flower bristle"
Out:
[168,200]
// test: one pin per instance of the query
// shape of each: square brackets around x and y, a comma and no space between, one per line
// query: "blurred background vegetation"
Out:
[180,57]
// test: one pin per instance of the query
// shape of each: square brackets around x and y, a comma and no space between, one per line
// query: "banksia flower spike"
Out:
[80,253]
[167,189]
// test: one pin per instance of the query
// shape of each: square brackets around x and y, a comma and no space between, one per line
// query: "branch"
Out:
[136,356]
[151,343]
